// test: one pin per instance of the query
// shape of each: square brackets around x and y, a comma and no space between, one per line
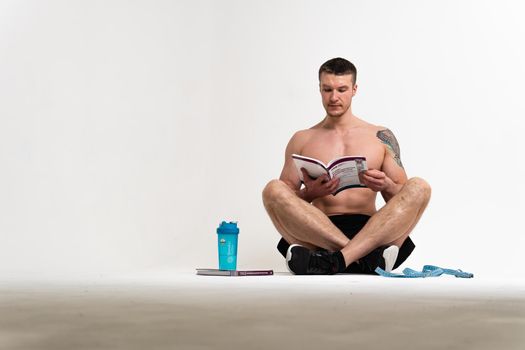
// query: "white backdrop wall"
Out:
[128,130]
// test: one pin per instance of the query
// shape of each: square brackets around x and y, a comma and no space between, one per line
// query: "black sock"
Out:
[340,261]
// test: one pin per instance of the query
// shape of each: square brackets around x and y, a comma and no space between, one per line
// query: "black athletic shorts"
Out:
[350,225]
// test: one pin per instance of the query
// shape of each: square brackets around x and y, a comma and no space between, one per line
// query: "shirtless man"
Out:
[324,233]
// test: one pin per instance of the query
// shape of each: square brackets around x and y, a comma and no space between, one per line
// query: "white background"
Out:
[130,129]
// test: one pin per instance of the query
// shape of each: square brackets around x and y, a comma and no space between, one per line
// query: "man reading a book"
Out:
[323,233]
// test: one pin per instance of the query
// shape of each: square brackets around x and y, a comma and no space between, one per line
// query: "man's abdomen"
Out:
[350,201]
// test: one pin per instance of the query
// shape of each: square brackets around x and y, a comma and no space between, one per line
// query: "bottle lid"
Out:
[228,227]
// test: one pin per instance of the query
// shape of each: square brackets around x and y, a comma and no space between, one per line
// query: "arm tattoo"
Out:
[387,137]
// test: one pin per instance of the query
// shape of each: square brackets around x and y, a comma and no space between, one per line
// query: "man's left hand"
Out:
[375,180]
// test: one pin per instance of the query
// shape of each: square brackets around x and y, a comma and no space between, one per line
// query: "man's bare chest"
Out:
[325,147]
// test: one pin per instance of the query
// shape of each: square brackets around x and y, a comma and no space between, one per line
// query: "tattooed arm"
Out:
[391,177]
[392,165]
[392,146]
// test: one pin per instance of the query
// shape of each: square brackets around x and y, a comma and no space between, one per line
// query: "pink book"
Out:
[217,272]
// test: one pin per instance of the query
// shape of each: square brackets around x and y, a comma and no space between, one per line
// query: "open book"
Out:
[345,168]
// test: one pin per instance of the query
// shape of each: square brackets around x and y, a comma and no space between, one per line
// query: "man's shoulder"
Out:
[300,137]
[366,126]
[373,128]
[383,131]
[304,133]
[369,128]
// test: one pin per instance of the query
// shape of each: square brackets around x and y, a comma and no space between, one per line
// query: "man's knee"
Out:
[274,190]
[419,188]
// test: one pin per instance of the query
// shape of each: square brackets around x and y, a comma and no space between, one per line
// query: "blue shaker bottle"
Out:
[228,233]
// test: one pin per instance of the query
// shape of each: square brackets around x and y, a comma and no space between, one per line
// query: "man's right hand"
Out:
[315,188]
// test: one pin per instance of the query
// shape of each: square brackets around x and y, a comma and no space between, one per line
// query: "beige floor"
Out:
[184,311]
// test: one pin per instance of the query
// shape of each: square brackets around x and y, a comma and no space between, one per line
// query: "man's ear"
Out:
[354,90]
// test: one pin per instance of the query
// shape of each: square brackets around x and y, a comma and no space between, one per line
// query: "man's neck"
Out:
[344,122]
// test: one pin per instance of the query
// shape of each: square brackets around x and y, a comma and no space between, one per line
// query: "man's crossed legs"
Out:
[307,229]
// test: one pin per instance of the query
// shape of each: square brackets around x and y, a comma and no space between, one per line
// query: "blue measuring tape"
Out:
[428,271]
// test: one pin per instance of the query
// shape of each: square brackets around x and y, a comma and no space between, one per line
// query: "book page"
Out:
[313,167]
[347,172]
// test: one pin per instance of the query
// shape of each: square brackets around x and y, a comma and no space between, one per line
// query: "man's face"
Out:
[337,92]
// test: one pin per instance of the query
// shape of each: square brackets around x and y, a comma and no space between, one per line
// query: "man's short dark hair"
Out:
[338,66]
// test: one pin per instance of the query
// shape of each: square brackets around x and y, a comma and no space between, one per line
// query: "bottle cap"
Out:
[228,228]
